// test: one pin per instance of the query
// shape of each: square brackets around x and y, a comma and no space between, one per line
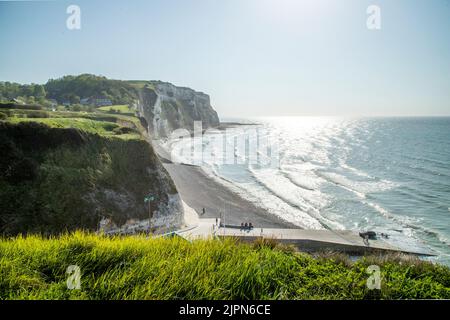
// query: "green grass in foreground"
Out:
[138,268]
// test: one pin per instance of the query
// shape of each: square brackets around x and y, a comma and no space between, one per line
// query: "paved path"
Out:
[305,240]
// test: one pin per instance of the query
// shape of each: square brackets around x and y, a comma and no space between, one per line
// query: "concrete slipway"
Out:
[305,240]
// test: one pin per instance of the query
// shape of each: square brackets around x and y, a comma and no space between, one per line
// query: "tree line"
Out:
[71,89]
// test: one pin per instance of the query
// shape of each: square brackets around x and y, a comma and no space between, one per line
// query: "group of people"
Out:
[246,226]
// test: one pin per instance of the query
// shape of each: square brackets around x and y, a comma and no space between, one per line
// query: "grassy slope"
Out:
[97,123]
[117,108]
[138,268]
[56,170]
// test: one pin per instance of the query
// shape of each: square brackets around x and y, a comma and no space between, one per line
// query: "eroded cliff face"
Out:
[166,107]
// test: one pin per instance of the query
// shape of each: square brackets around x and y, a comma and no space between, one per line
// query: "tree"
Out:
[26,90]
[88,85]
[39,91]
[31,100]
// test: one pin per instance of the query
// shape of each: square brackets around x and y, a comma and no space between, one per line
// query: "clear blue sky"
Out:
[253,57]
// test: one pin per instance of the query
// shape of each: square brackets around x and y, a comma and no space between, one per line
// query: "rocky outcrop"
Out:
[166,107]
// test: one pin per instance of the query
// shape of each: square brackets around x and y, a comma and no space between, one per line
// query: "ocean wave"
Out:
[306,200]
[262,198]
[441,163]
[355,171]
[341,182]
[304,184]
[409,223]
[360,188]
[417,195]
[427,171]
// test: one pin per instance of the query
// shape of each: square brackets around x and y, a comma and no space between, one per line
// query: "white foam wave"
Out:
[355,171]
[409,225]
[307,200]
[360,188]
[260,196]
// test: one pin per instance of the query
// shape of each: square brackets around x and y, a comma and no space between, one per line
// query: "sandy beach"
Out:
[199,191]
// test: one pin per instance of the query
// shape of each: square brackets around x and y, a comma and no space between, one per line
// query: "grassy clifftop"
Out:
[162,268]
[65,170]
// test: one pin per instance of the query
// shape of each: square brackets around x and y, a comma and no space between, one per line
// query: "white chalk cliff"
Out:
[166,107]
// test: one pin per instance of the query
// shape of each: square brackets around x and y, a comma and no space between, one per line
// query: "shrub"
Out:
[37,114]
[124,130]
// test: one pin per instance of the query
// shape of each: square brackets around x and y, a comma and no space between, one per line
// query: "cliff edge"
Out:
[166,107]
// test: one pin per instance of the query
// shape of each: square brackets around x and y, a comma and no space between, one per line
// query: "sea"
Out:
[388,175]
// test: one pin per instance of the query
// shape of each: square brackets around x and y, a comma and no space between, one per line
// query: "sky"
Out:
[253,57]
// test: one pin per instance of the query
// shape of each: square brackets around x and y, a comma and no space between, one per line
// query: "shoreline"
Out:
[229,125]
[200,191]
